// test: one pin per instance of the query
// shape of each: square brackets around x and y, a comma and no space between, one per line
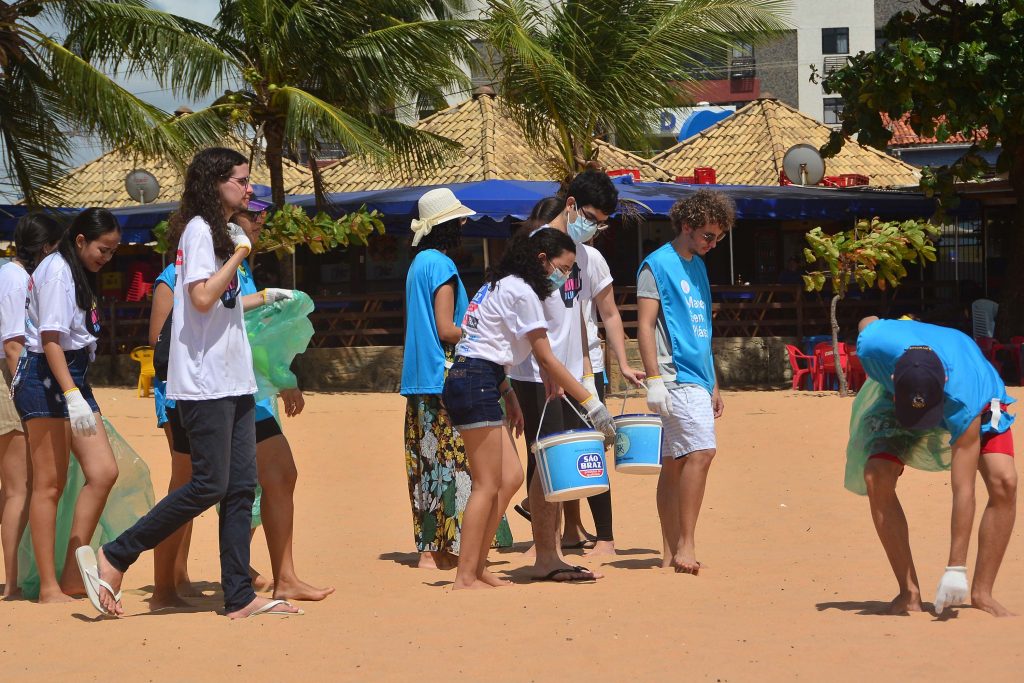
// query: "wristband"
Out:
[508,391]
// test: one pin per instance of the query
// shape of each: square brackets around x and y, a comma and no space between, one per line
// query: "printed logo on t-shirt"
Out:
[685,285]
[179,258]
[698,311]
[570,289]
[470,321]
[590,465]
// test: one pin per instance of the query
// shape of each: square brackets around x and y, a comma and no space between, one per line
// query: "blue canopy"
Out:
[136,221]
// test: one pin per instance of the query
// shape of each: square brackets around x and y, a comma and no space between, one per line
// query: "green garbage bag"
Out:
[130,499]
[874,429]
[277,333]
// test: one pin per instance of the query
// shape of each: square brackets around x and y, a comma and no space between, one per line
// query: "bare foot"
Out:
[300,590]
[11,592]
[987,604]
[601,548]
[427,561]
[475,584]
[260,583]
[166,600]
[185,589]
[259,602]
[492,579]
[49,596]
[903,604]
[686,564]
[113,577]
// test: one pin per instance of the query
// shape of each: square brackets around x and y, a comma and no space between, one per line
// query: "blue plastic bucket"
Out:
[571,465]
[638,443]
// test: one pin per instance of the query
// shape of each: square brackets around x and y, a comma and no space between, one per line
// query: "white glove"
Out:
[600,418]
[952,590]
[239,238]
[83,421]
[273,295]
[657,396]
[589,384]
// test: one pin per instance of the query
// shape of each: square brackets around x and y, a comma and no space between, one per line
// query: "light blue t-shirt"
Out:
[685,294]
[159,387]
[971,381]
[423,357]
[246,286]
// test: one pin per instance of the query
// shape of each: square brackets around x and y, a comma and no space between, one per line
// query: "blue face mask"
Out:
[581,230]
[558,277]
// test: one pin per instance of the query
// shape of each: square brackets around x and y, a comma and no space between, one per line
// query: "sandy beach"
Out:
[792,569]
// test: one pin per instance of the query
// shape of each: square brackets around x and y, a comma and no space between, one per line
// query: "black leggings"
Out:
[560,417]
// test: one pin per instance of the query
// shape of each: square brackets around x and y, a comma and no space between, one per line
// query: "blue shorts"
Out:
[36,391]
[471,395]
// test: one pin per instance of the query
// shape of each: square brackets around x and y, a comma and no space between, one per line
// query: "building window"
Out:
[835,41]
[833,110]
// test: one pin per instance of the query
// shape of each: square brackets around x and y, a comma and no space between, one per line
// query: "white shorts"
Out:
[691,426]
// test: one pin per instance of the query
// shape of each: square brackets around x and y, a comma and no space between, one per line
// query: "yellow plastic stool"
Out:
[144,354]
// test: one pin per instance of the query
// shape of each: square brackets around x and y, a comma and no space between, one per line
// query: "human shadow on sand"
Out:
[647,563]
[877,608]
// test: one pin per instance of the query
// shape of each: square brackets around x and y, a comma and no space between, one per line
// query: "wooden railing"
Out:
[737,311]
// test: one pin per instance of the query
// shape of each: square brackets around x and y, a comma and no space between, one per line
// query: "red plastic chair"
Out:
[856,375]
[138,290]
[800,372]
[1016,347]
[989,347]
[826,363]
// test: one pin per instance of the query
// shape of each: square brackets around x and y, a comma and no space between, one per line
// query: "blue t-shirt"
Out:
[160,388]
[971,381]
[423,357]
[685,295]
[246,286]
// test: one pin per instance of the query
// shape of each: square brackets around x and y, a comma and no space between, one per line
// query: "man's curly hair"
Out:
[701,208]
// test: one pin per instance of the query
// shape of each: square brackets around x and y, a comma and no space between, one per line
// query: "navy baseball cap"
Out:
[919,380]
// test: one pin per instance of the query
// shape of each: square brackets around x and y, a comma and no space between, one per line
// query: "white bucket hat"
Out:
[435,207]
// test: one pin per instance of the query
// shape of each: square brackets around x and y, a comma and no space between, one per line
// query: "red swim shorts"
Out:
[990,443]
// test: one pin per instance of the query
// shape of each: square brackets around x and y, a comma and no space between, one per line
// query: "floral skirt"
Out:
[439,480]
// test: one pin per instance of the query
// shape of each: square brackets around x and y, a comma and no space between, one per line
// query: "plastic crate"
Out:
[704,175]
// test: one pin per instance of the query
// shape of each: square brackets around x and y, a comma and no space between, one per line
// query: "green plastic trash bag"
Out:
[277,333]
[130,499]
[874,429]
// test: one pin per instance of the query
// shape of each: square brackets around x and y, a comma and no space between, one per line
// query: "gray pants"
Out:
[223,436]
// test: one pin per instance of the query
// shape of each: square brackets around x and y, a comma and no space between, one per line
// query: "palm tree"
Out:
[309,75]
[48,89]
[583,68]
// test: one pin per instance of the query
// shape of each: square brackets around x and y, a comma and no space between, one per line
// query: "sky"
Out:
[86,149]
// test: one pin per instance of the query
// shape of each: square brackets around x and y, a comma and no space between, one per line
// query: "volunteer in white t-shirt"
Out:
[51,389]
[590,199]
[211,379]
[503,325]
[35,236]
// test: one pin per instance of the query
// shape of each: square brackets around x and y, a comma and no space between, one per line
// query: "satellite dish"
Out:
[803,165]
[142,186]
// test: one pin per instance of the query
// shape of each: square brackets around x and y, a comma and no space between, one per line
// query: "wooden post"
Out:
[800,313]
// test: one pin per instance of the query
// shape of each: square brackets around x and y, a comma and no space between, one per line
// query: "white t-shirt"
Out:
[562,311]
[497,322]
[13,301]
[601,276]
[209,352]
[52,307]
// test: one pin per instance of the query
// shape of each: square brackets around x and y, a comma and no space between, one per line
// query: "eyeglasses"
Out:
[601,225]
[712,238]
[244,182]
[567,270]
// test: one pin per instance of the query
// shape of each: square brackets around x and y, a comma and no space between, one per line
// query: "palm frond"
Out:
[310,118]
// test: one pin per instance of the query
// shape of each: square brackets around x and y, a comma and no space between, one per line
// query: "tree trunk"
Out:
[835,348]
[274,135]
[1011,313]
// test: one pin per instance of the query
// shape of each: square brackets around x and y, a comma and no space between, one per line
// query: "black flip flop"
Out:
[550,576]
[523,511]
[585,544]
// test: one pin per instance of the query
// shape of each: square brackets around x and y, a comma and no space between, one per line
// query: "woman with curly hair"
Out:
[211,380]
[435,457]
[505,323]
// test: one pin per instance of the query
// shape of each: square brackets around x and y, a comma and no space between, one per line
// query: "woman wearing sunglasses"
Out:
[210,378]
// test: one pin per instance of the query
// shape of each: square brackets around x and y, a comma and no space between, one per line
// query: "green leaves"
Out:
[291,226]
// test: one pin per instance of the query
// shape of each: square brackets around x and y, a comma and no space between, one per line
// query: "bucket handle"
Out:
[544,411]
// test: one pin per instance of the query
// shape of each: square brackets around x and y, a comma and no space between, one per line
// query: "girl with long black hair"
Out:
[211,380]
[35,236]
[54,398]
[504,324]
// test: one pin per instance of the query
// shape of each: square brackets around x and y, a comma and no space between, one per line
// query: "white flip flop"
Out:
[268,609]
[85,556]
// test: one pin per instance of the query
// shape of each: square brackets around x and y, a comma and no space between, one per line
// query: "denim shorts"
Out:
[471,395]
[36,391]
